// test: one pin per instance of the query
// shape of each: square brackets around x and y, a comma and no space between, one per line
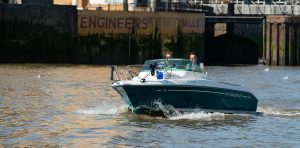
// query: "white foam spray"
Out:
[173,114]
[199,116]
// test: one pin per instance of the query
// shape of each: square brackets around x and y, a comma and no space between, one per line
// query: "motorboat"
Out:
[182,85]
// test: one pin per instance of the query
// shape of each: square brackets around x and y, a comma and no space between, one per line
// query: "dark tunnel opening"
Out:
[230,49]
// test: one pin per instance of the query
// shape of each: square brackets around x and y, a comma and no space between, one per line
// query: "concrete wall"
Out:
[91,22]
[132,37]
[37,33]
[48,33]
[282,40]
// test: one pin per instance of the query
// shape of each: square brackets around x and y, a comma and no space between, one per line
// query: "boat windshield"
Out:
[183,64]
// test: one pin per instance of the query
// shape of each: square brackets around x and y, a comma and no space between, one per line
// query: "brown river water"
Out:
[74,106]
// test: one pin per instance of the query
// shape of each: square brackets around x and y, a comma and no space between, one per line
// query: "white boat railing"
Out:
[124,73]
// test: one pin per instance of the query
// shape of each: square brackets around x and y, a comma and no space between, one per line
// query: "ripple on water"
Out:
[279,112]
[106,108]
[75,106]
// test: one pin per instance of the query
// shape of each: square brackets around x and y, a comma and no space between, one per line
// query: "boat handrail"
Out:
[123,73]
[209,76]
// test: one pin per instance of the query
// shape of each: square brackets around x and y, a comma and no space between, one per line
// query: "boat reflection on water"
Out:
[180,85]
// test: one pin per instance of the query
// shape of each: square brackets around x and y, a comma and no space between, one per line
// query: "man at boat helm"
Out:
[166,64]
[168,56]
[195,63]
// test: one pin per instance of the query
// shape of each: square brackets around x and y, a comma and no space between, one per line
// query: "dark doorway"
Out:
[230,49]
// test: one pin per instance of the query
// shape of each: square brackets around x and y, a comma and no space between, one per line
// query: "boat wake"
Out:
[175,114]
[279,112]
[104,109]
[199,116]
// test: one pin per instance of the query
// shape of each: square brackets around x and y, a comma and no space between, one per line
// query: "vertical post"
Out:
[287,51]
[243,7]
[268,43]
[282,42]
[295,26]
[264,39]
[277,43]
[1,23]
[230,28]
[125,5]
[209,35]
[298,44]
[153,5]
[274,47]
[291,45]
[230,9]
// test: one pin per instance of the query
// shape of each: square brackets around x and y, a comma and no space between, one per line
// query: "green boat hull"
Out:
[142,99]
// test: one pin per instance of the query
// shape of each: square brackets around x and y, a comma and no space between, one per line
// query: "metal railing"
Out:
[124,73]
[220,7]
[260,2]
[131,71]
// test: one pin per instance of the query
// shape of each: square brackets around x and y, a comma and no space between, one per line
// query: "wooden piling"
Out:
[282,41]
[298,44]
[274,44]
[268,43]
[281,45]
[291,45]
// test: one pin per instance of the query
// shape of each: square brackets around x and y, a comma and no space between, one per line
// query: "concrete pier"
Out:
[282,40]
[43,32]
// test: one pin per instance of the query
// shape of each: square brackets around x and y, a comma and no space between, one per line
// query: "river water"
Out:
[75,106]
